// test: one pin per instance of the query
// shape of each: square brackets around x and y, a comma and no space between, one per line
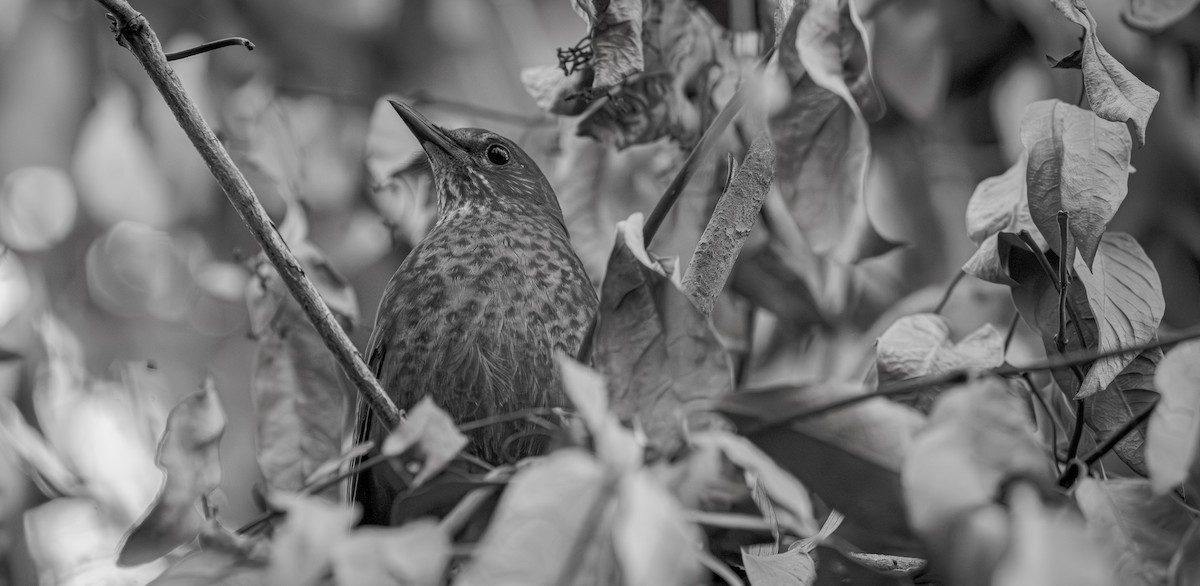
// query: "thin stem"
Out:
[318,488]
[505,418]
[134,33]
[1054,422]
[1076,432]
[1072,472]
[210,46]
[1012,330]
[949,289]
[585,536]
[1060,339]
[1061,289]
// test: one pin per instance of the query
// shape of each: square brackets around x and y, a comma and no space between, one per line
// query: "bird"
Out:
[476,311]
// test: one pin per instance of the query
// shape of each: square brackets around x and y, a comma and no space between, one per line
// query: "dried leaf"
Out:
[979,435]
[1077,163]
[1049,547]
[1126,298]
[433,432]
[615,445]
[1113,92]
[832,46]
[615,27]
[998,205]
[306,542]
[1139,530]
[188,455]
[850,457]
[297,390]
[414,554]
[1152,16]
[653,542]
[550,528]
[790,568]
[919,345]
[1173,433]
[656,349]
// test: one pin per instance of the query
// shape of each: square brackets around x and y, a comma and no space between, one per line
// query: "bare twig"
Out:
[949,290]
[730,225]
[210,46]
[134,33]
[1077,466]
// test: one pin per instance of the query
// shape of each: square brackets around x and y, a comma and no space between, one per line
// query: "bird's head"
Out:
[473,167]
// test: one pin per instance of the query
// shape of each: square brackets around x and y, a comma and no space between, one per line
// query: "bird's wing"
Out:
[359,489]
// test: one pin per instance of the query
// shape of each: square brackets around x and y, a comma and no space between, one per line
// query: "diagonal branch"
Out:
[134,33]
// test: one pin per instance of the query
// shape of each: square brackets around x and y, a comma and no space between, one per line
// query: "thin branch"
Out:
[1077,431]
[210,46]
[1060,339]
[505,418]
[949,289]
[1012,330]
[1078,466]
[1057,281]
[134,33]
[734,217]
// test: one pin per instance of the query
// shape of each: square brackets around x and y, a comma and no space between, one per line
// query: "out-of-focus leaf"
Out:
[552,527]
[1113,92]
[1049,547]
[790,568]
[979,435]
[1139,530]
[1152,16]
[297,389]
[434,434]
[1173,432]
[74,543]
[332,466]
[210,568]
[615,27]
[38,460]
[793,507]
[1185,564]
[832,47]
[95,427]
[656,349]
[1130,393]
[114,166]
[37,208]
[919,345]
[653,542]
[998,205]
[14,287]
[615,445]
[414,554]
[188,455]
[911,58]
[555,91]
[306,542]
[134,269]
[1077,163]
[851,457]
[1126,298]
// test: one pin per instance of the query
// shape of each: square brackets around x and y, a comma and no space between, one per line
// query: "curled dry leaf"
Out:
[615,28]
[790,568]
[1126,298]
[999,204]
[979,435]
[1077,163]
[414,554]
[1139,530]
[656,349]
[433,432]
[1113,92]
[1152,16]
[919,345]
[615,445]
[306,542]
[189,456]
[1048,547]
[1173,432]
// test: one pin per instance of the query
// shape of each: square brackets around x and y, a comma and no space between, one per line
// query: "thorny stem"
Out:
[134,33]
[1072,472]
[210,46]
[949,289]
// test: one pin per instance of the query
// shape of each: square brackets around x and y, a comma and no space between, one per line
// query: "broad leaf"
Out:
[653,542]
[831,44]
[1185,564]
[414,554]
[1130,393]
[919,345]
[210,568]
[305,543]
[1078,164]
[850,457]
[38,460]
[979,435]
[658,352]
[998,205]
[1173,433]
[790,568]
[615,445]
[1049,547]
[551,527]
[1113,92]
[73,542]
[1126,298]
[432,432]
[189,457]
[1139,530]
[1155,15]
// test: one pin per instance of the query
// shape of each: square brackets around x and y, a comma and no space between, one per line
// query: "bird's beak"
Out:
[426,132]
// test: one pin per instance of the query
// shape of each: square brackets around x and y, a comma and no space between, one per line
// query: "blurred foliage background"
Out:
[110,220]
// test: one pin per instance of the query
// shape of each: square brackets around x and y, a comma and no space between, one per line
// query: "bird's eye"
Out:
[497,154]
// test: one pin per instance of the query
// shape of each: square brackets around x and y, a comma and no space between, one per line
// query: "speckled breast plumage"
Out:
[477,310]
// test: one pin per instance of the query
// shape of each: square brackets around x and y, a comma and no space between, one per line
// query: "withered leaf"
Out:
[1139,530]
[998,205]
[431,430]
[1173,432]
[919,345]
